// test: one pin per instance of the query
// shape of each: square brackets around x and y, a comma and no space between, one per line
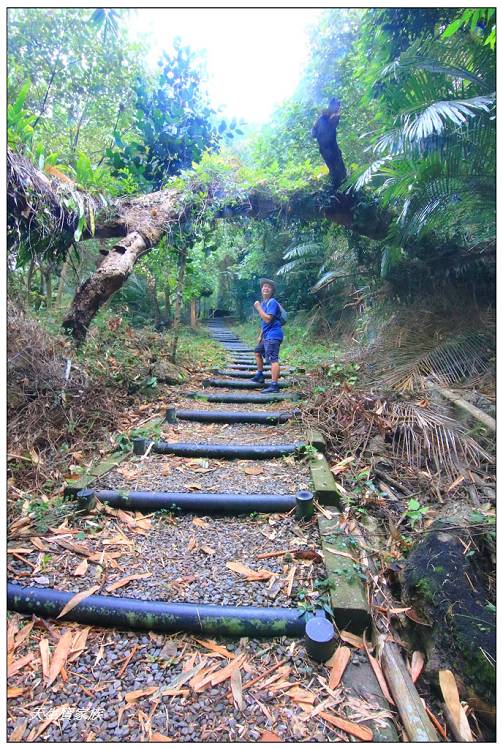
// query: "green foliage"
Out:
[81,88]
[173,122]
[415,511]
[19,121]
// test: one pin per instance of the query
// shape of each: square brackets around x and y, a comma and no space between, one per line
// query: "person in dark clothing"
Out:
[271,335]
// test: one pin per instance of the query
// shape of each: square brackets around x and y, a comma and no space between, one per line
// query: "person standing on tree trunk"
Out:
[271,335]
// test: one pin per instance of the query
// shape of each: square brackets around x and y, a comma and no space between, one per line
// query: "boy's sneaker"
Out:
[258,378]
[272,388]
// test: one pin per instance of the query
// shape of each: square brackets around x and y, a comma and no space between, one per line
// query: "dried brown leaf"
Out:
[417,665]
[362,733]
[81,568]
[60,656]
[451,697]
[237,688]
[127,579]
[338,662]
[76,600]
[19,729]
[141,693]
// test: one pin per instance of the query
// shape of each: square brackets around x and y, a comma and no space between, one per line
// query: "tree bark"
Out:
[154,301]
[100,286]
[62,278]
[193,313]
[182,265]
[167,304]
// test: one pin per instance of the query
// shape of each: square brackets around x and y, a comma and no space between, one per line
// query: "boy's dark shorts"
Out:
[269,350]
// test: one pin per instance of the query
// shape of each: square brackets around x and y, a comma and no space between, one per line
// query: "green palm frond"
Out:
[460,59]
[300,251]
[370,172]
[328,278]
[437,115]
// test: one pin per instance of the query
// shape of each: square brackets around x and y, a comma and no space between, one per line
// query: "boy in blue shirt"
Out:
[271,336]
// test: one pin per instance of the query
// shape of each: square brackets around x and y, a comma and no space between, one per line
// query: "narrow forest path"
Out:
[236,677]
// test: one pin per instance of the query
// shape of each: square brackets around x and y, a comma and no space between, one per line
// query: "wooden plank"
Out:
[348,595]
[325,488]
[316,439]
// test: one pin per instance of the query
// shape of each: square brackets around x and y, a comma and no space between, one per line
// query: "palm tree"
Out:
[436,165]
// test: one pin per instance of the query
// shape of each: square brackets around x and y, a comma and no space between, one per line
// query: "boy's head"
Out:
[267,287]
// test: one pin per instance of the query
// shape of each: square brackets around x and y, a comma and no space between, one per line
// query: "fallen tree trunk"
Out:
[50,209]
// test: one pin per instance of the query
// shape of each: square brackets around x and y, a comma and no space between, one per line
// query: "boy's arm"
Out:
[265,317]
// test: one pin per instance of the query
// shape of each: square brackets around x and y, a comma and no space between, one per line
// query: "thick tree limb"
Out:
[46,208]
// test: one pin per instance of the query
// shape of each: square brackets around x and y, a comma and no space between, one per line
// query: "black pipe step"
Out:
[245,398]
[222,450]
[248,384]
[191,502]
[232,417]
[159,616]
[241,374]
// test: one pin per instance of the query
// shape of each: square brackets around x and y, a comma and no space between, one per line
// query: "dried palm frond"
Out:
[424,438]
[454,359]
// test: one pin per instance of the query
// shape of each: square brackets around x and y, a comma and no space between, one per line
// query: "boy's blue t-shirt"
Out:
[272,331]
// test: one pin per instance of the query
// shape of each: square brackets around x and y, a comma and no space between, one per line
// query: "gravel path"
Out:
[176,474]
[179,558]
[95,691]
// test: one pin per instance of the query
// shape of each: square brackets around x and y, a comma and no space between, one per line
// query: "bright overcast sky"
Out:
[254,57]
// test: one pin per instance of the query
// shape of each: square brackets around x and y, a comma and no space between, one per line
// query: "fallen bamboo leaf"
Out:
[15,692]
[290,579]
[380,676]
[362,733]
[199,522]
[55,714]
[11,632]
[300,695]
[339,553]
[133,696]
[253,470]
[127,660]
[158,737]
[212,646]
[81,568]
[278,553]
[127,579]
[76,600]
[351,638]
[79,644]
[237,688]
[60,656]
[267,736]
[248,573]
[19,664]
[19,729]
[338,662]
[22,635]
[225,673]
[45,656]
[451,697]
[435,721]
[417,665]
[192,545]
[208,550]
